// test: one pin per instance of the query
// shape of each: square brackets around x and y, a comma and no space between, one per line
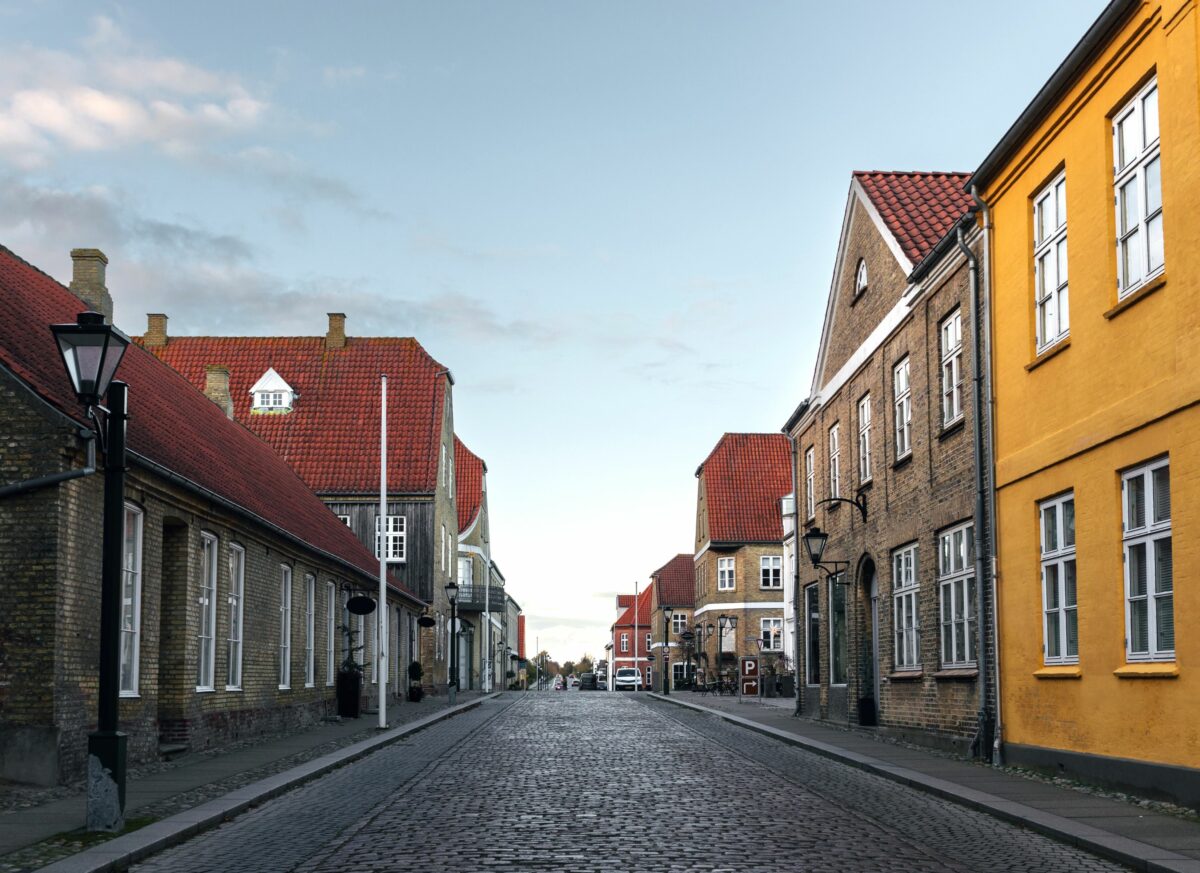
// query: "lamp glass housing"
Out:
[814,544]
[733,622]
[452,590]
[722,621]
[91,351]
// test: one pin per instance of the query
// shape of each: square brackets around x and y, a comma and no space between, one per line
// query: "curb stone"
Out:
[120,852]
[1133,853]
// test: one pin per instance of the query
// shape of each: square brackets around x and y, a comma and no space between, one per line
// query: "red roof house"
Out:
[742,481]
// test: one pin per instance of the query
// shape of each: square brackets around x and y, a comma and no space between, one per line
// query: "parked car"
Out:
[559,685]
[587,682]
[573,681]
[601,682]
[627,679]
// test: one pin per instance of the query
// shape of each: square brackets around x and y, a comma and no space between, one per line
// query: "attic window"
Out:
[272,400]
[860,278]
[271,394]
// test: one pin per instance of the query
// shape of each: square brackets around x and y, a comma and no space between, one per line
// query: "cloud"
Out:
[429,241]
[341,75]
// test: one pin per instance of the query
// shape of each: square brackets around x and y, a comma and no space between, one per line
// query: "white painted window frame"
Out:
[1132,170]
[397,539]
[957,590]
[624,642]
[861,278]
[131,602]
[726,574]
[331,628]
[906,600]
[285,627]
[864,439]
[206,636]
[952,352]
[835,460]
[902,406]
[236,632]
[812,621]
[771,631]
[770,572]
[835,580]
[1052,311]
[810,474]
[679,622]
[310,630]
[1060,607]
[1149,534]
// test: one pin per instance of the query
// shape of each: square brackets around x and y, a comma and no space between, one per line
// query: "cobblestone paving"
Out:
[605,782]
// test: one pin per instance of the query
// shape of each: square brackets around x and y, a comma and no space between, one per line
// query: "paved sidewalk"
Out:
[1127,833]
[184,785]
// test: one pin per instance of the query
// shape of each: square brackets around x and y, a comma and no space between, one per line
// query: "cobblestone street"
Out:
[579,782]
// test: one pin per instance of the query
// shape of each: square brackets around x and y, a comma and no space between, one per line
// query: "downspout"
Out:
[981,561]
[88,469]
[986,212]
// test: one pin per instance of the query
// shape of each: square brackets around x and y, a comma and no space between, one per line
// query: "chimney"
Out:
[216,387]
[336,337]
[156,331]
[87,281]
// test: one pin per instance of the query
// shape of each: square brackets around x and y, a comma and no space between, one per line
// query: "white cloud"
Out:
[341,75]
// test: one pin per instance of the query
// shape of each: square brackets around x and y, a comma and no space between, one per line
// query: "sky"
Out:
[615,222]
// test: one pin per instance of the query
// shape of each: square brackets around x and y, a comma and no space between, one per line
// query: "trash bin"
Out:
[349,694]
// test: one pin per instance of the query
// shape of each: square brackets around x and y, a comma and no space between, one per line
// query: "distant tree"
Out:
[568,668]
[585,665]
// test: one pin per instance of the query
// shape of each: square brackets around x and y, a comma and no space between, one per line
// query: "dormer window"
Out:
[271,394]
[860,278]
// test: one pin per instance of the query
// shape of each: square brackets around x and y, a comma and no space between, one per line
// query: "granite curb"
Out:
[1133,853]
[120,852]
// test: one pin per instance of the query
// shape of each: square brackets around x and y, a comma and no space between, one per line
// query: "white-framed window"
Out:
[1059,604]
[649,676]
[729,639]
[905,601]
[396,538]
[441,633]
[443,558]
[812,634]
[206,638]
[285,627]
[956,585]
[1149,567]
[331,629]
[838,631]
[679,622]
[902,399]
[624,642]
[680,671]
[771,571]
[810,473]
[864,439]
[466,577]
[236,601]
[1137,185]
[835,462]
[444,482]
[344,519]
[725,578]
[860,277]
[272,400]
[361,655]
[310,630]
[1050,262]
[131,601]
[952,368]
[371,644]
[772,634]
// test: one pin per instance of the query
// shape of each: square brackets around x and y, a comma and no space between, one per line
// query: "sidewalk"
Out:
[1124,832]
[198,778]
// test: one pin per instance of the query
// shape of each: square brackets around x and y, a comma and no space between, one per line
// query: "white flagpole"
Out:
[636,665]
[381,618]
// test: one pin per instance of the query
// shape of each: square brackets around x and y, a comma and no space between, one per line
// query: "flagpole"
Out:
[381,618]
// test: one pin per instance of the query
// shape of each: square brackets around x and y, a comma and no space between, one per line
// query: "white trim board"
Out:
[718,607]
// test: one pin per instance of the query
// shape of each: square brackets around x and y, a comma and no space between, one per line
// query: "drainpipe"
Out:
[88,469]
[981,544]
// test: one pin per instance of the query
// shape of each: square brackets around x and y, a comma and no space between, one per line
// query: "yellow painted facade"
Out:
[1121,388]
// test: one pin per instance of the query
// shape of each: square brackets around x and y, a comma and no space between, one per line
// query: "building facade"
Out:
[674,587]
[632,636]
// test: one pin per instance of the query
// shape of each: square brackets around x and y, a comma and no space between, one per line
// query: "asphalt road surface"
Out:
[606,783]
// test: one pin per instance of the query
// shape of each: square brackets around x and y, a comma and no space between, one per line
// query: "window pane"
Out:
[1153,186]
[1068,523]
[1164,571]
[1128,141]
[1060,202]
[960,641]
[1061,261]
[1072,641]
[1053,644]
[1042,219]
[1046,328]
[1129,213]
[1138,627]
[1050,528]
[1064,310]
[1131,257]
[1069,583]
[1162,494]
[1150,115]
[1046,277]
[1164,620]
[1137,570]
[1135,501]
[1051,573]
[1154,243]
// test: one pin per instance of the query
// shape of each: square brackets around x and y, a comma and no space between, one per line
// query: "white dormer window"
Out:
[860,278]
[272,394]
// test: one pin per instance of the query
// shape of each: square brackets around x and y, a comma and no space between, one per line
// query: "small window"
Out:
[625,642]
[285,627]
[396,539]
[835,462]
[1050,262]
[810,499]
[206,637]
[1149,563]
[345,519]
[725,579]
[237,592]
[1059,604]
[902,399]
[956,584]
[678,622]
[864,439]
[952,368]
[860,278]
[905,591]
[772,634]
[771,571]
[271,393]
[131,602]
[1137,188]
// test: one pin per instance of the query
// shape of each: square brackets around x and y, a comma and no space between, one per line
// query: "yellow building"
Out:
[1096,380]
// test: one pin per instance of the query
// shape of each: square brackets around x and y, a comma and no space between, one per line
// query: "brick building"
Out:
[316,401]
[233,569]
[893,636]
[739,547]
[631,635]
[674,586]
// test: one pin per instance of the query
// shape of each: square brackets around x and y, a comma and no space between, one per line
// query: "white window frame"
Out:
[679,622]
[272,399]
[906,603]
[310,630]
[443,465]
[957,590]
[864,439]
[443,549]
[835,580]
[397,539]
[726,578]
[812,635]
[206,636]
[771,631]
[236,632]
[810,473]
[1060,604]
[285,627]
[345,519]
[331,628]
[625,642]
[770,572]
[860,277]
[835,460]
[902,405]
[131,602]
[1150,534]
[1052,313]
[1132,170]
[952,351]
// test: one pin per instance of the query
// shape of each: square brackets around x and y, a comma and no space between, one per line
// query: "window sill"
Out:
[1061,346]
[1149,670]
[204,690]
[1137,295]
[1059,671]
[902,462]
[957,673]
[285,687]
[233,688]
[905,675]
[953,428]
[130,695]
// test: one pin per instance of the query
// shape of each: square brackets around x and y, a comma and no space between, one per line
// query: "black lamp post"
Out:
[707,639]
[91,351]
[667,613]
[814,541]
[452,595]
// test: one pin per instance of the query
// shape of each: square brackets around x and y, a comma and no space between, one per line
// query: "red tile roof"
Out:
[624,600]
[744,478]
[676,582]
[171,423]
[918,208]
[331,436]
[468,483]
[645,598]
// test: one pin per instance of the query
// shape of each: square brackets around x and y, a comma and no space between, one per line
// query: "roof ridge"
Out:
[912,172]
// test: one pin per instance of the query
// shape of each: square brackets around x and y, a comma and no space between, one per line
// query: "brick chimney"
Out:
[87,281]
[336,337]
[156,331]
[216,387]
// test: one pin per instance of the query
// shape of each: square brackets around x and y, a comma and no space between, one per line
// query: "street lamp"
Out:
[91,351]
[815,541]
[667,613]
[707,639]
[452,596]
